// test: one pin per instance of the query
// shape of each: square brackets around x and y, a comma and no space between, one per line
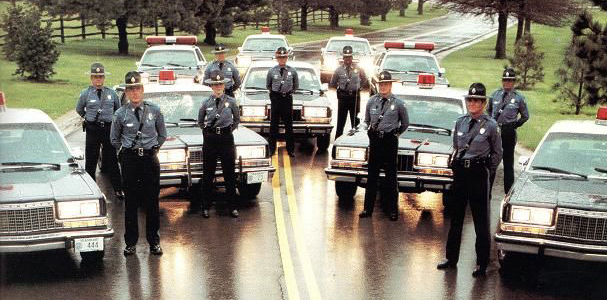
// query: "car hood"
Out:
[298,99]
[412,77]
[180,137]
[554,190]
[41,185]
[267,55]
[178,71]
[360,139]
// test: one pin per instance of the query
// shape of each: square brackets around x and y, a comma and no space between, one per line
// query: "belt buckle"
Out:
[380,134]
[466,163]
[217,130]
[139,134]
[101,124]
[140,151]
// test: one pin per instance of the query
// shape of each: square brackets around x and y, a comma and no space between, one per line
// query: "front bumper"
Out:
[540,246]
[189,178]
[299,129]
[407,182]
[48,241]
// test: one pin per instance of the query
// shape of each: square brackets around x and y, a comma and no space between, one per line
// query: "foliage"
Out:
[527,62]
[11,21]
[569,86]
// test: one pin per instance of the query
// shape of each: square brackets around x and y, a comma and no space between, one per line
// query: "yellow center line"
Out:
[304,258]
[283,242]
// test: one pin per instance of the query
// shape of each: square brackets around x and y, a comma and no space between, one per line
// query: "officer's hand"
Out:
[155,149]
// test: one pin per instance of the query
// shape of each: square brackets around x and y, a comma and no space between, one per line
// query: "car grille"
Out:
[405,163]
[21,218]
[581,225]
[195,156]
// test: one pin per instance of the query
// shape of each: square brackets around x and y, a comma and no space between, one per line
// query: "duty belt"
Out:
[139,151]
[282,94]
[382,134]
[471,163]
[507,125]
[347,92]
[218,130]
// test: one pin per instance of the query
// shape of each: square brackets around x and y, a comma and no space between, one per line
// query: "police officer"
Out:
[282,81]
[348,79]
[228,69]
[218,117]
[138,130]
[386,118]
[478,151]
[505,105]
[96,105]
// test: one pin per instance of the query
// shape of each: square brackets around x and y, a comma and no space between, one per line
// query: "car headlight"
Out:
[531,215]
[248,152]
[315,112]
[171,156]
[244,60]
[348,153]
[253,111]
[433,160]
[78,209]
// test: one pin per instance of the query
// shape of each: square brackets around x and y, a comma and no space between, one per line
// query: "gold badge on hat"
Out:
[218,77]
[133,79]
[98,69]
[473,90]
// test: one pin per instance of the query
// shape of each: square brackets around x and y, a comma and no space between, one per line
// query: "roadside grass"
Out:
[59,95]
[476,64]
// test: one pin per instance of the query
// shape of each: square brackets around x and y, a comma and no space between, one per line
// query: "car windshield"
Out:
[411,63]
[169,58]
[263,44]
[256,79]
[33,142]
[585,153]
[433,112]
[178,105]
[357,46]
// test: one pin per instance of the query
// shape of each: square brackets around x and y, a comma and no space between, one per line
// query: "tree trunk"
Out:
[333,17]
[210,33]
[527,26]
[401,10]
[123,41]
[578,102]
[420,7]
[169,30]
[365,19]
[303,25]
[519,29]
[500,46]
[383,17]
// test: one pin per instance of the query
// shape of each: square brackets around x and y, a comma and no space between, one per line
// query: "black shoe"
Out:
[155,249]
[119,194]
[479,271]
[205,213]
[393,217]
[365,214]
[446,264]
[234,213]
[129,250]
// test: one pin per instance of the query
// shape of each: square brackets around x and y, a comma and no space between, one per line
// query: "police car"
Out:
[260,47]
[47,200]
[424,150]
[331,55]
[177,53]
[558,205]
[406,60]
[180,156]
[311,107]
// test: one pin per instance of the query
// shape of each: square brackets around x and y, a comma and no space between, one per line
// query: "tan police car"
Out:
[331,56]
[260,47]
[177,53]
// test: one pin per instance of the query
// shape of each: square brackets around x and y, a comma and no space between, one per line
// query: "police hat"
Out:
[220,48]
[508,74]
[385,76]
[347,51]
[216,77]
[97,69]
[132,78]
[282,52]
[477,90]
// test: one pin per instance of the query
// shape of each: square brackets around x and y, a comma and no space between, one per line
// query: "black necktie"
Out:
[472,122]
[217,100]
[221,66]
[282,70]
[137,112]
[383,102]
[99,94]
[348,71]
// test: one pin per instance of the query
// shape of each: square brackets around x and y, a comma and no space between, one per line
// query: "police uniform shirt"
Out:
[288,82]
[395,116]
[351,83]
[126,124]
[488,141]
[89,103]
[227,110]
[229,71]
[515,104]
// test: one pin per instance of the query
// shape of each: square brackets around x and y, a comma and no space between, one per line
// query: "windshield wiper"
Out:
[31,164]
[189,120]
[394,71]
[304,92]
[149,65]
[557,170]
[431,127]
[175,124]
[255,88]
[178,65]
[601,170]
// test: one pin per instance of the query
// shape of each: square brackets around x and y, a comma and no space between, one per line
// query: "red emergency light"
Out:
[426,80]
[2,102]
[429,46]
[349,31]
[601,115]
[166,77]
[171,40]
[265,30]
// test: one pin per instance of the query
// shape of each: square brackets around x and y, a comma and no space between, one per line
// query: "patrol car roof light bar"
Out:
[349,32]
[601,115]
[166,77]
[426,81]
[171,40]
[265,30]
[429,46]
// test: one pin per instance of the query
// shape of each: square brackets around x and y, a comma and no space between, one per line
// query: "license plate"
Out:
[89,244]
[257,177]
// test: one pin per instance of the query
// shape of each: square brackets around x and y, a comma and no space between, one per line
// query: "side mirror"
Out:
[523,160]
[77,153]
[324,87]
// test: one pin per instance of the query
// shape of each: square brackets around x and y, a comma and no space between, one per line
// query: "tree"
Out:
[214,11]
[569,86]
[11,21]
[402,6]
[527,62]
[420,7]
[545,12]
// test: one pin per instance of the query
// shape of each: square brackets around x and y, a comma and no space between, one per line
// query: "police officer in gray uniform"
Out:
[218,117]
[138,130]
[348,79]
[228,69]
[505,105]
[386,118]
[282,81]
[97,105]
[478,151]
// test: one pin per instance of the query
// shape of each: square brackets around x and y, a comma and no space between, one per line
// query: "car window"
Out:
[404,63]
[35,142]
[169,58]
[178,105]
[256,79]
[200,56]
[432,111]
[589,151]
[357,46]
[263,44]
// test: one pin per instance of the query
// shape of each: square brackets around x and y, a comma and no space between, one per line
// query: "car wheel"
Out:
[93,256]
[323,142]
[345,190]
[249,191]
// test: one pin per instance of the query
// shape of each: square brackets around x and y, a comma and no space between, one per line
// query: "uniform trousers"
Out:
[218,146]
[141,187]
[281,109]
[470,186]
[347,102]
[383,152]
[508,144]
[97,136]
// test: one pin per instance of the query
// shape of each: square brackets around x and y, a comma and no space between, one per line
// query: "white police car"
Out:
[260,47]
[47,200]
[331,54]
[558,205]
[177,53]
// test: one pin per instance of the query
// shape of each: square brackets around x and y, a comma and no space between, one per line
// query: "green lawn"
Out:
[59,96]
[476,64]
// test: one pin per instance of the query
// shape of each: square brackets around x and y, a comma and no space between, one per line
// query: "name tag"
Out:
[109,97]
[275,76]
[129,125]
[209,108]
[288,73]
[92,100]
[459,133]
[512,101]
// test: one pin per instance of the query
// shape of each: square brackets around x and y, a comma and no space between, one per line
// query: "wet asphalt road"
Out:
[296,241]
